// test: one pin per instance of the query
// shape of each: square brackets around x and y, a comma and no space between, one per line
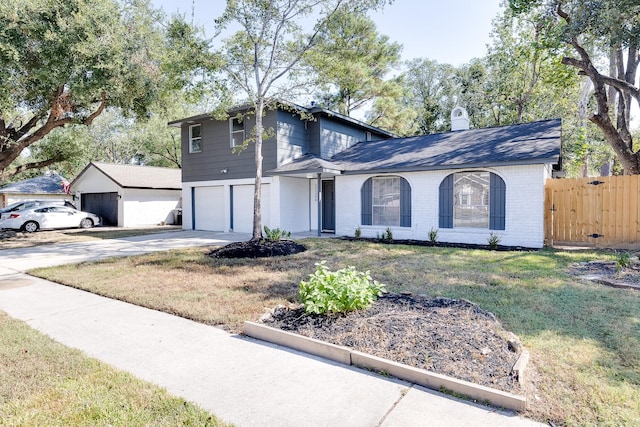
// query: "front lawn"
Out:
[584,338]
[43,383]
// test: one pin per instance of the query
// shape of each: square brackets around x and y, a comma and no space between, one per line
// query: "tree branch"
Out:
[34,165]
[99,110]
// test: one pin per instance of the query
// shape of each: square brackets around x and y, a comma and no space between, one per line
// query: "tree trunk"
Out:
[257,191]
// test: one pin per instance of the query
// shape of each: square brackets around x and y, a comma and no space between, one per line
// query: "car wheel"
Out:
[86,223]
[30,226]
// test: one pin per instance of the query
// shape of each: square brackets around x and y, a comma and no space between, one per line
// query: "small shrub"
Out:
[493,240]
[623,260]
[388,234]
[275,234]
[433,235]
[338,292]
[358,232]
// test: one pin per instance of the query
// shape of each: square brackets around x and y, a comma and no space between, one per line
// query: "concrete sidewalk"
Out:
[243,381]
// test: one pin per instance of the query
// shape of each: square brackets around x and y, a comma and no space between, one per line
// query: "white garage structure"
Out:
[287,203]
[129,195]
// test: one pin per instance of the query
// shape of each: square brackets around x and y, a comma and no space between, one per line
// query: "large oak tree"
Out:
[605,38]
[64,63]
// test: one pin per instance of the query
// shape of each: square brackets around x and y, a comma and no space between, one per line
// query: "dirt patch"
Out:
[258,249]
[451,337]
[608,273]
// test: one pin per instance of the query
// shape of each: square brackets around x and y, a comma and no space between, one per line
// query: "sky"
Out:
[447,31]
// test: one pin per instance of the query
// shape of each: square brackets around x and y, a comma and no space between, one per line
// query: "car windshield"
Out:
[13,207]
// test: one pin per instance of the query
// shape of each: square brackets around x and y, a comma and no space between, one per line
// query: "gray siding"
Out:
[337,136]
[216,152]
[313,130]
[292,137]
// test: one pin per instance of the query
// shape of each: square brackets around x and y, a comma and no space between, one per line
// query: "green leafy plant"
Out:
[388,234]
[338,292]
[494,240]
[433,235]
[358,232]
[275,234]
[623,260]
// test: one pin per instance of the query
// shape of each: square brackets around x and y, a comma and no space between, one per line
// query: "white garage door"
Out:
[209,208]
[243,207]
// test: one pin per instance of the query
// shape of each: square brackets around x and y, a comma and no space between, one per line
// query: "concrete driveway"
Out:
[20,260]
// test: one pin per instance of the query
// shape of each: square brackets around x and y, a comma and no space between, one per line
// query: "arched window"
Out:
[386,201]
[472,199]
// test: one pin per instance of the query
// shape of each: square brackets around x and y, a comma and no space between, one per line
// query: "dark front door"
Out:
[328,206]
[104,205]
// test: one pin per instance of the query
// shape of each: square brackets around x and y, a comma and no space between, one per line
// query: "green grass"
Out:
[584,338]
[45,383]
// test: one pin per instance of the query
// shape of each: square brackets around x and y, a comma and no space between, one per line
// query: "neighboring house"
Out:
[50,186]
[128,195]
[465,184]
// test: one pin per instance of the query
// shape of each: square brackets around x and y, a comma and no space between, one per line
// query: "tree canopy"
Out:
[63,63]
[352,60]
[265,59]
[604,36]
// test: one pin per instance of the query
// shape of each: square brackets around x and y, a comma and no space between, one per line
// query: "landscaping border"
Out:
[418,376]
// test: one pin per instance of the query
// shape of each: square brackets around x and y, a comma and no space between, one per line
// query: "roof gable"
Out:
[135,176]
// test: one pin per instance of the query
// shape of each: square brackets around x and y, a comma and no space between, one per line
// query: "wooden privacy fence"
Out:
[600,212]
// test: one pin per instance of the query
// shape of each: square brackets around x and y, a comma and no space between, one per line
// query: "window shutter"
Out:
[446,202]
[366,193]
[497,191]
[405,203]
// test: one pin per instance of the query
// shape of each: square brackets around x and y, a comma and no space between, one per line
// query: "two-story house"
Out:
[218,183]
[337,174]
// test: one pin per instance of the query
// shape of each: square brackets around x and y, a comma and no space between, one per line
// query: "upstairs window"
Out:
[195,138]
[472,200]
[386,201]
[236,130]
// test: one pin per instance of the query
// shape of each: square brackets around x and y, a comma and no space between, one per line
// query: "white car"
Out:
[49,217]
[20,206]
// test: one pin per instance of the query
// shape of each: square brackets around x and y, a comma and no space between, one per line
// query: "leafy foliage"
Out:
[61,64]
[264,60]
[433,235]
[338,292]
[276,234]
[598,32]
[351,60]
[493,240]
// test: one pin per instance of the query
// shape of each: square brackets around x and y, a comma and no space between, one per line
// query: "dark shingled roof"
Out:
[528,143]
[50,183]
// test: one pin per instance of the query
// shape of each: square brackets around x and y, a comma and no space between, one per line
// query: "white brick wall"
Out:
[524,208]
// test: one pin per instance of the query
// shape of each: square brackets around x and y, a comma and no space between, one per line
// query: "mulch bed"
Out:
[451,337]
[258,249]
[414,242]
[608,273]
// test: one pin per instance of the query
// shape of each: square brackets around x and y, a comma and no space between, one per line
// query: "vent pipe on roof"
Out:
[459,119]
